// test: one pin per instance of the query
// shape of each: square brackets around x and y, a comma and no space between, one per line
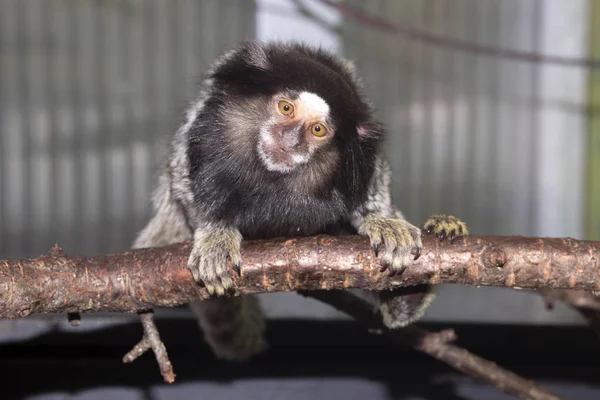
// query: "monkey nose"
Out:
[291,138]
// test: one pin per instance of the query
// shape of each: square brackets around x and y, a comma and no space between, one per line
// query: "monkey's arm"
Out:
[396,241]
[387,227]
[168,224]
[213,244]
[175,220]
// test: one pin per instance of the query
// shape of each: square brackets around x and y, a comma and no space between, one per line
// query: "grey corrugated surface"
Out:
[90,91]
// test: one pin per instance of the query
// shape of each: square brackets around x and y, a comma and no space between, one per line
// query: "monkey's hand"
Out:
[395,241]
[208,259]
[445,226]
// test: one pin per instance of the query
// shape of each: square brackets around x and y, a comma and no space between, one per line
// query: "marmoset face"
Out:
[298,125]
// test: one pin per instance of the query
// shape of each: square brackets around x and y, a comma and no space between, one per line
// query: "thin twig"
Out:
[151,340]
[409,32]
[585,303]
[74,318]
[436,345]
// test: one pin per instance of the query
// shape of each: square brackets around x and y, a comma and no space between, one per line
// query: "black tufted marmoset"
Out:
[280,142]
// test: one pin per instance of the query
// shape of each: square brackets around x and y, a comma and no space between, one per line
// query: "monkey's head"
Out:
[297,125]
[292,107]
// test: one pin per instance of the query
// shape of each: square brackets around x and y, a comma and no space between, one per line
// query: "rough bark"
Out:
[143,279]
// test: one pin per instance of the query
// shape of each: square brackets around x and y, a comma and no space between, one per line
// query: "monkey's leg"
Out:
[403,306]
[233,326]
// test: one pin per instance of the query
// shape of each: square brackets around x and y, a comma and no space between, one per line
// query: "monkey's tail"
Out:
[403,306]
[234,327]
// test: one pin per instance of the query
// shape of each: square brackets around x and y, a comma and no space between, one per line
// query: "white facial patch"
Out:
[313,104]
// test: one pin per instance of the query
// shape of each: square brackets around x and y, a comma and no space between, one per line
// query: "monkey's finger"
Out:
[219,289]
[236,259]
[376,249]
[428,229]
[210,289]
[397,271]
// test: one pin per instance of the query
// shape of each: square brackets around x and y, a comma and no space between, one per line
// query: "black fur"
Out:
[260,203]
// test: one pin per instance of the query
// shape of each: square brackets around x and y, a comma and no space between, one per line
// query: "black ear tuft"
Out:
[253,54]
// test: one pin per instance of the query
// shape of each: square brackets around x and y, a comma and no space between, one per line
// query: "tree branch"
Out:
[585,303]
[436,345]
[143,279]
[151,340]
[139,280]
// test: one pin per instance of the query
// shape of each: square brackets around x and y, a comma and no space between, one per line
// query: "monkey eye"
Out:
[285,107]
[318,129]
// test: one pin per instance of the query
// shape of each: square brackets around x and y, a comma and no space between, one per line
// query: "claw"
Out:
[429,229]
[236,268]
[384,267]
[452,236]
[376,250]
[398,272]
[442,235]
[210,289]
[417,253]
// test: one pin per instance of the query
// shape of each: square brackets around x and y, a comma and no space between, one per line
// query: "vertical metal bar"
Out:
[5,109]
[417,172]
[79,229]
[158,54]
[460,95]
[123,171]
[150,93]
[483,176]
[176,55]
[427,156]
[401,76]
[52,105]
[470,201]
[441,144]
[592,215]
[150,84]
[493,193]
[141,126]
[101,139]
[36,111]
[25,106]
[453,183]
[537,33]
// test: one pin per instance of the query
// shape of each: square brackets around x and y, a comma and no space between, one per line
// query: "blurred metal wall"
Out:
[497,141]
[90,91]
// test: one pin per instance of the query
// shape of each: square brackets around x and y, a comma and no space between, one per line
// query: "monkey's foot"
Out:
[396,242]
[208,259]
[445,226]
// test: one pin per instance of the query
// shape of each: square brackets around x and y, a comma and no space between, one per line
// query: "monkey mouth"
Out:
[275,158]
